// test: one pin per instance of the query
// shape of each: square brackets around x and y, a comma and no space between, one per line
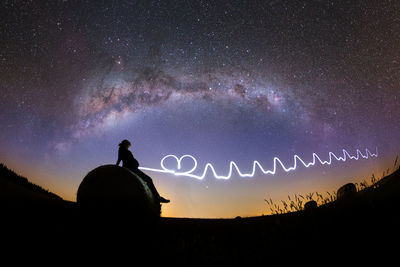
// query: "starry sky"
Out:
[220,80]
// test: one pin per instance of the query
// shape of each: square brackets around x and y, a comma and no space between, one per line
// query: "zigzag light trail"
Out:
[233,165]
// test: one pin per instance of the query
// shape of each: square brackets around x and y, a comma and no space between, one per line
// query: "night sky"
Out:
[220,80]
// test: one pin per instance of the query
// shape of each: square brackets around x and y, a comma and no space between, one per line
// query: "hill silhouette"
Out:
[15,186]
[344,229]
[25,205]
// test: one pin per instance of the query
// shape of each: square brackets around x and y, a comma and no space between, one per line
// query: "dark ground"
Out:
[364,228]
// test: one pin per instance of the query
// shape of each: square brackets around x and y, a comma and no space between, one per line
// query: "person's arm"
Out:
[135,163]
[119,157]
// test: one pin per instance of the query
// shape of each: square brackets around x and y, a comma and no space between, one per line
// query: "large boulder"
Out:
[346,191]
[110,189]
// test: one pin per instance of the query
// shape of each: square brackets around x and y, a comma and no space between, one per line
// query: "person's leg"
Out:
[148,181]
[150,184]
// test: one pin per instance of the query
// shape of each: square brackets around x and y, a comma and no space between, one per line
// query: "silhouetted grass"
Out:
[296,202]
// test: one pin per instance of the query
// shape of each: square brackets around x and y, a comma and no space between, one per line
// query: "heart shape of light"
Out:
[179,165]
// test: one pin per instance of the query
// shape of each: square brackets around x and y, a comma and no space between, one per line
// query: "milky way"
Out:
[236,81]
[111,95]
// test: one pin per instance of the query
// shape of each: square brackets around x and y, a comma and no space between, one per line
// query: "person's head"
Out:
[125,144]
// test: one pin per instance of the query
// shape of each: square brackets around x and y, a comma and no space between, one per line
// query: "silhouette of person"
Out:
[129,162]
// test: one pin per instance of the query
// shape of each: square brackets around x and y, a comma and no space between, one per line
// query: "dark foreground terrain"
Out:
[363,228]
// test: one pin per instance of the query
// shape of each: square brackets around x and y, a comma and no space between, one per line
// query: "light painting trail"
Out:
[296,158]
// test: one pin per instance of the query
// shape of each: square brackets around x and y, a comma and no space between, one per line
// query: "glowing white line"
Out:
[232,164]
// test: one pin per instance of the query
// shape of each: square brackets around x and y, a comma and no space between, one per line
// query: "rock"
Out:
[110,189]
[346,191]
[310,205]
